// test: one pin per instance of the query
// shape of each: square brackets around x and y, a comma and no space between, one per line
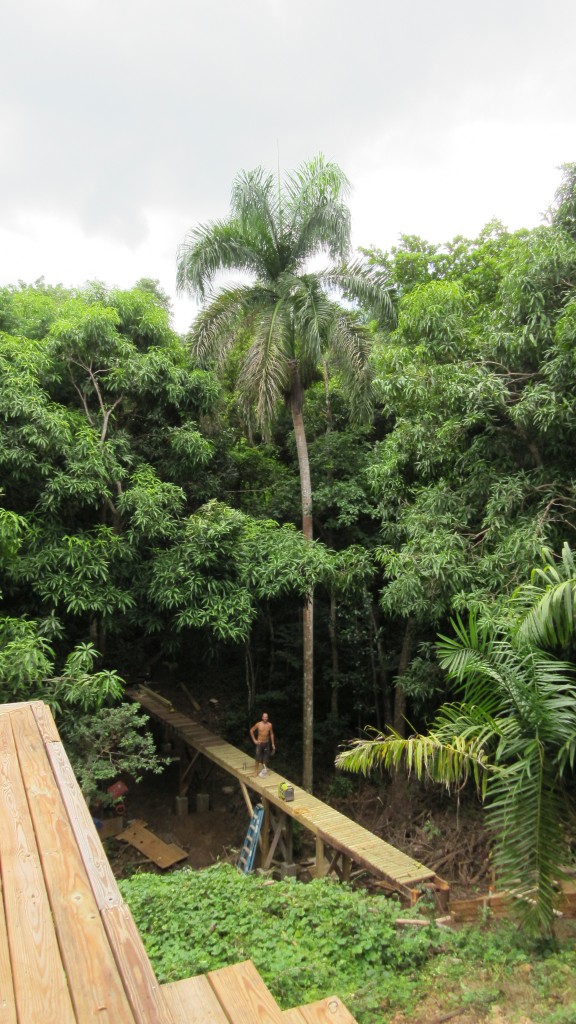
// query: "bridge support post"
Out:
[282,836]
[346,867]
[265,835]
[320,859]
[186,764]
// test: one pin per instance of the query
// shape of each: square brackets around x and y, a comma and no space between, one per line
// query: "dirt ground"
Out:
[207,836]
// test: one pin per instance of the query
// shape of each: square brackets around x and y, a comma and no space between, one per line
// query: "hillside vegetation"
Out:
[323,938]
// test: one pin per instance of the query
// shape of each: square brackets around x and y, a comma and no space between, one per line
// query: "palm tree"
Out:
[514,731]
[292,318]
[547,605]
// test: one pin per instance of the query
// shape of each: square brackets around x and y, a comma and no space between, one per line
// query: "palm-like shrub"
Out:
[513,730]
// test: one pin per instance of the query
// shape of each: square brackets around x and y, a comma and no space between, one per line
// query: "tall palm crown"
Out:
[273,231]
[292,320]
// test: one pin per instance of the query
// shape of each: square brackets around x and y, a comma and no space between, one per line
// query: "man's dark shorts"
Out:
[262,753]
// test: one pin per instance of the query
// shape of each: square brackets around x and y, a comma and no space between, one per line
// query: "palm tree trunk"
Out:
[296,397]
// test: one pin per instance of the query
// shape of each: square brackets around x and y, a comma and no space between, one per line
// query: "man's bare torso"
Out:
[263,730]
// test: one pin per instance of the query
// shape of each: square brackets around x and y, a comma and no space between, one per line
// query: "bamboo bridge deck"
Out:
[339,840]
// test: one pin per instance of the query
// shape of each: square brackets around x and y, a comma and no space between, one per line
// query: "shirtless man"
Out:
[263,737]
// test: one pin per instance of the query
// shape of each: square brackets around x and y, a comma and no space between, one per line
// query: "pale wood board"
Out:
[95,861]
[142,987]
[325,1011]
[45,722]
[244,996]
[194,1001]
[7,1000]
[163,854]
[293,1016]
[95,986]
[40,988]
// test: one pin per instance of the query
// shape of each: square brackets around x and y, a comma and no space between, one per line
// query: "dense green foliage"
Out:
[151,501]
[310,941]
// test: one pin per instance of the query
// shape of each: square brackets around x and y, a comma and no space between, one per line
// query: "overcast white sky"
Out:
[123,122]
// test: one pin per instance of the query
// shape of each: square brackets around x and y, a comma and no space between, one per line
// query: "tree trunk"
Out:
[399,695]
[332,623]
[250,675]
[296,397]
[333,618]
[383,673]
[308,695]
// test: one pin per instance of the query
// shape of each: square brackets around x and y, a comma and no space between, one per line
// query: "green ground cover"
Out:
[309,941]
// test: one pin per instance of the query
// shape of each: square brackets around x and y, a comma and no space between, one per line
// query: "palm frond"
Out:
[450,762]
[253,198]
[551,620]
[525,809]
[213,332]
[357,280]
[351,345]
[313,317]
[265,375]
[546,607]
[255,204]
[474,661]
[325,229]
[318,218]
[210,248]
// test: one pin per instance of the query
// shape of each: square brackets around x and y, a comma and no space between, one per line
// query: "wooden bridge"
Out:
[70,952]
[339,840]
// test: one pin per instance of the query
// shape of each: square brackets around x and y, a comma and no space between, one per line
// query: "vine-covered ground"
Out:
[309,941]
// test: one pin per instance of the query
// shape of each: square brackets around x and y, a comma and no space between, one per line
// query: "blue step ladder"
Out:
[248,853]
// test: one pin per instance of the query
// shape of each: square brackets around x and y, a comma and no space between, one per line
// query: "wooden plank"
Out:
[193,1001]
[247,800]
[324,1011]
[95,861]
[244,996]
[140,984]
[40,988]
[7,709]
[7,1000]
[45,722]
[96,989]
[320,862]
[142,988]
[163,854]
[293,1016]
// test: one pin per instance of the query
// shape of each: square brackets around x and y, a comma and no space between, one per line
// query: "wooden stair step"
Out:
[193,1001]
[325,1011]
[244,996]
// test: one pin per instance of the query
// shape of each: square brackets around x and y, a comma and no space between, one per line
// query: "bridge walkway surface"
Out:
[340,841]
